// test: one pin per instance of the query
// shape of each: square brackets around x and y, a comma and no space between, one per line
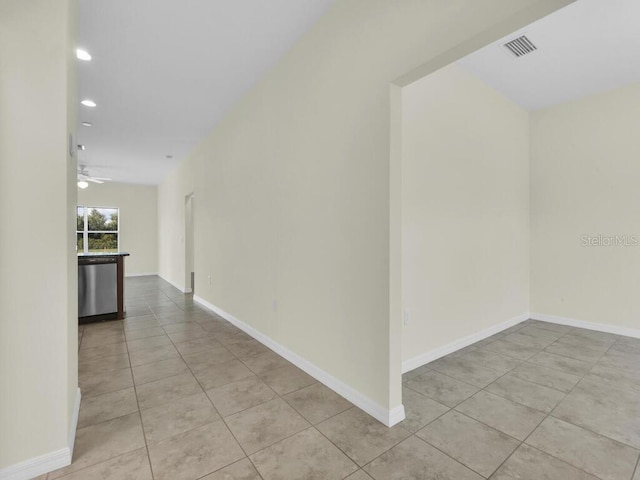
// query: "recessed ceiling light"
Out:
[87,124]
[82,184]
[88,103]
[81,147]
[83,54]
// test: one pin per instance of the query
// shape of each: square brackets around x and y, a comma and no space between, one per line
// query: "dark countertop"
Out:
[100,254]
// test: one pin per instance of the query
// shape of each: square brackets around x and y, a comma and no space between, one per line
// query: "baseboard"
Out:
[432,355]
[74,423]
[49,461]
[179,287]
[37,466]
[382,414]
[599,327]
[396,415]
[140,274]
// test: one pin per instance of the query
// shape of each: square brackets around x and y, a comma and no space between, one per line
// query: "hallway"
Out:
[175,392]
[178,391]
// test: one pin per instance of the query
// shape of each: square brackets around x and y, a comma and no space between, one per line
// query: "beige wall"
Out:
[172,195]
[292,189]
[465,204]
[38,267]
[138,221]
[585,176]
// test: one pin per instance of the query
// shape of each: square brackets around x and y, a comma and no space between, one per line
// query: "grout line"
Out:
[452,458]
[277,396]
[485,348]
[546,386]
[104,421]
[567,356]
[560,459]
[547,415]
[204,391]
[507,458]
[415,434]
[324,419]
[550,414]
[554,368]
[144,436]
[521,442]
[444,375]
[281,397]
[454,409]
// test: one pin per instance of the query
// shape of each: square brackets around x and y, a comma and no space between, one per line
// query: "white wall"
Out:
[38,266]
[465,204]
[585,176]
[172,195]
[138,219]
[292,188]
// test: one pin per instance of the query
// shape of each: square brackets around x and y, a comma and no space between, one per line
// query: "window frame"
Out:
[85,232]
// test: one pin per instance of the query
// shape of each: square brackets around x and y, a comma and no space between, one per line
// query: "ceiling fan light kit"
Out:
[84,177]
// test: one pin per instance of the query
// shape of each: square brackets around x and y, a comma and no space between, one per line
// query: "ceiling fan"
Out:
[84,177]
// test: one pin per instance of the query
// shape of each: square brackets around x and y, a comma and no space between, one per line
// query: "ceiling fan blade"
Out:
[94,180]
[102,178]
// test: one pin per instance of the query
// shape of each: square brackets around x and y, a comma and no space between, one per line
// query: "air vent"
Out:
[520,46]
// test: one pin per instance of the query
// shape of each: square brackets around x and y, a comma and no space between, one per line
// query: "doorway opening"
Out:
[189,254]
[471,166]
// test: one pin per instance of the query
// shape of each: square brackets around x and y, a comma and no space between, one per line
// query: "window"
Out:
[97,229]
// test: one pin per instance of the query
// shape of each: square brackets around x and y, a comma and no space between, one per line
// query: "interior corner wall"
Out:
[585,227]
[292,188]
[138,220]
[38,263]
[465,210]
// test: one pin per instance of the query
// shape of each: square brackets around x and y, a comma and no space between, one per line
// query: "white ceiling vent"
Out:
[520,46]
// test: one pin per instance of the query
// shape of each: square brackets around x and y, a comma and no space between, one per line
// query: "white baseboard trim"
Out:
[382,414]
[74,423]
[396,415]
[179,287]
[432,355]
[49,461]
[140,274]
[599,327]
[37,466]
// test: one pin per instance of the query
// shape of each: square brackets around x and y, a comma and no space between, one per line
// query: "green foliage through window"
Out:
[97,229]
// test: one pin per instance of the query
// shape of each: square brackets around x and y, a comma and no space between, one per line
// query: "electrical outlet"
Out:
[274,305]
[209,279]
[406,316]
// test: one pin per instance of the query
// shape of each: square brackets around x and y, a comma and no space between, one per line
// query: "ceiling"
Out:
[587,47]
[165,72]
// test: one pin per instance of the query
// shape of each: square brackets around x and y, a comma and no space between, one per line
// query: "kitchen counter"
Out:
[101,254]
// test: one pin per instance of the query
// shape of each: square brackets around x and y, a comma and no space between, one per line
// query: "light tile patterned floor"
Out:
[177,393]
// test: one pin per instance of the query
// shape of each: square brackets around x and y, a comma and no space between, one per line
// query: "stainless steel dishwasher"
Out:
[97,287]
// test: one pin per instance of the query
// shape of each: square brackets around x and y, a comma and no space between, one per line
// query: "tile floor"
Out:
[176,393]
